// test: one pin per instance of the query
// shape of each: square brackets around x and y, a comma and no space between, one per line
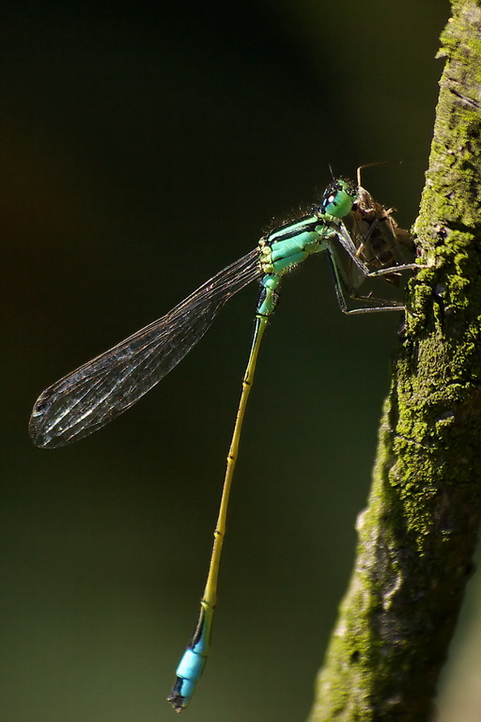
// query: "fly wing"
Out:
[379,241]
[97,392]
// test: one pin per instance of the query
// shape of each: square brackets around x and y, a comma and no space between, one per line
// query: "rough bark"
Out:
[418,533]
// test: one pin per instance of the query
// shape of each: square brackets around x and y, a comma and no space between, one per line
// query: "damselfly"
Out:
[97,392]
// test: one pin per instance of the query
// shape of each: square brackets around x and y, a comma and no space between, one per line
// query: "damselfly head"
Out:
[338,198]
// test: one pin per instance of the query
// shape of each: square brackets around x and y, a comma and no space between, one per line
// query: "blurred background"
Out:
[145,146]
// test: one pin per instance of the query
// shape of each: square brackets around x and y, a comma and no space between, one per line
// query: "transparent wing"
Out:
[97,392]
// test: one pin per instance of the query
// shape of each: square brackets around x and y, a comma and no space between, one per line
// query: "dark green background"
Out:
[143,149]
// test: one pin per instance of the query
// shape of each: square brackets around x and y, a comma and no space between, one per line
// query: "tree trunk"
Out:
[418,533]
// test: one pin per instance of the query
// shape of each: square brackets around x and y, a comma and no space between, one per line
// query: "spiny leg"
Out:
[347,243]
[341,283]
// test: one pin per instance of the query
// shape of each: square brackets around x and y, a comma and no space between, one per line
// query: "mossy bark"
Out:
[418,533]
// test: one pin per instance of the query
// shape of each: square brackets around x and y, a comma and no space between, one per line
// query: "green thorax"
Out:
[283,248]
